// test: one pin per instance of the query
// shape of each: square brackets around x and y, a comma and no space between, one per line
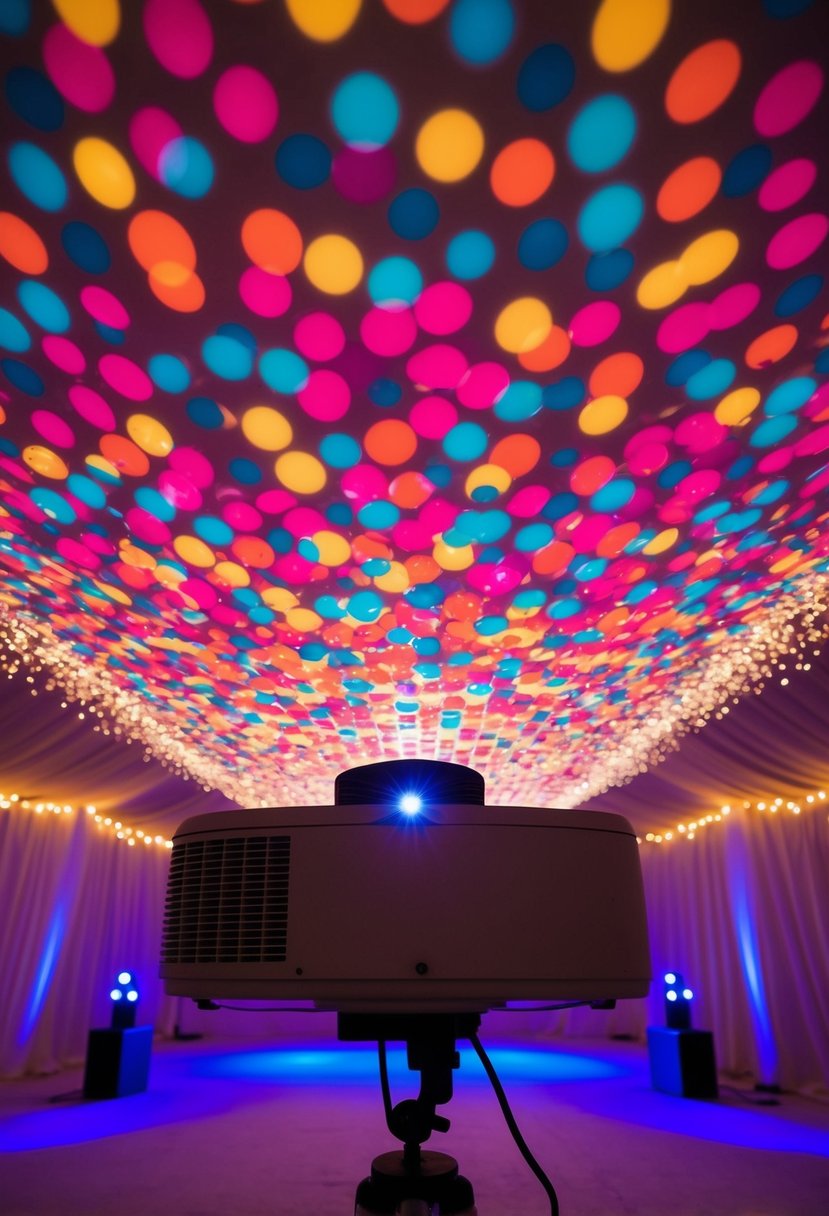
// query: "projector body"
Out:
[363,908]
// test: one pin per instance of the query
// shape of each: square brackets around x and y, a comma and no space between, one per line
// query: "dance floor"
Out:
[288,1129]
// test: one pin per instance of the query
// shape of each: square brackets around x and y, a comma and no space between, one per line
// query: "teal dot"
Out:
[771,431]
[711,380]
[614,495]
[520,400]
[365,605]
[307,549]
[365,111]
[601,133]
[772,493]
[470,254]
[610,217]
[150,500]
[790,395]
[339,451]
[86,490]
[466,441]
[481,30]
[283,371]
[487,625]
[37,176]
[44,306]
[591,569]
[169,373]
[13,333]
[561,609]
[15,16]
[379,514]
[53,504]
[375,567]
[395,281]
[533,537]
[328,608]
[531,598]
[227,357]
[186,167]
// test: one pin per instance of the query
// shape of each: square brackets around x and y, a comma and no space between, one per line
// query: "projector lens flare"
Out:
[410,804]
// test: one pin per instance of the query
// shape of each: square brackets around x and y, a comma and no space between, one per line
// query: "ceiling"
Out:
[410,378]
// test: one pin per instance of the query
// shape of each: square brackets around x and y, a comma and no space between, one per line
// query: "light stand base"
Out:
[435,1186]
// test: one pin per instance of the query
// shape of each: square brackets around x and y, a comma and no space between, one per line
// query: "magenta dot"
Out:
[585,536]
[412,535]
[529,501]
[319,336]
[787,184]
[82,73]
[649,434]
[147,527]
[816,441]
[326,396]
[699,484]
[648,458]
[64,354]
[103,306]
[788,97]
[594,323]
[818,402]
[364,176]
[179,490]
[151,130]
[363,484]
[99,544]
[304,521]
[700,432]
[432,417]
[245,104]
[387,331]
[795,241]
[268,295]
[500,577]
[92,407]
[241,516]
[53,429]
[292,568]
[733,305]
[200,591]
[443,308]
[482,385]
[438,515]
[438,366]
[274,502]
[179,34]
[683,328]
[126,377]
[192,464]
[78,554]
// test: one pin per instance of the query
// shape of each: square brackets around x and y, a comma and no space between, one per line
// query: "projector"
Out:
[408,895]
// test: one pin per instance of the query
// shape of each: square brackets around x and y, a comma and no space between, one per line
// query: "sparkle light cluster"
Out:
[689,830]
[106,824]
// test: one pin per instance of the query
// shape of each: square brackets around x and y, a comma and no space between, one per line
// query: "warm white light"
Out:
[410,804]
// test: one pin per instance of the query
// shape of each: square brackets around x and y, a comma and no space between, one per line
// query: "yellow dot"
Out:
[149,434]
[708,256]
[266,428]
[523,325]
[625,32]
[333,549]
[45,461]
[333,264]
[101,465]
[230,574]
[104,173]
[303,620]
[300,472]
[93,21]
[489,475]
[449,145]
[603,414]
[449,558]
[194,551]
[131,555]
[662,286]
[324,20]
[114,593]
[171,576]
[662,541]
[396,578]
[279,598]
[737,406]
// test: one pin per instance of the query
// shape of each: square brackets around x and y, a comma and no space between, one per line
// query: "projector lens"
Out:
[410,804]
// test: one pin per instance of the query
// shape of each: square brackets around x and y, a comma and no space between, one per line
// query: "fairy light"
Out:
[687,831]
[104,823]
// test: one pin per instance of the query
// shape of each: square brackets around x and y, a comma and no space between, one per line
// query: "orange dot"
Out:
[615,539]
[617,375]
[125,455]
[183,292]
[272,241]
[553,558]
[415,12]
[21,246]
[591,475]
[517,454]
[689,189]
[462,606]
[422,569]
[551,353]
[253,551]
[703,81]
[613,621]
[410,490]
[771,346]
[521,172]
[155,237]
[391,441]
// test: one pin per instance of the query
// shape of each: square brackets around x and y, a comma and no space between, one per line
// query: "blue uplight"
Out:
[410,804]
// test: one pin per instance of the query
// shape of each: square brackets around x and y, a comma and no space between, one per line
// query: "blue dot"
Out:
[365,111]
[590,569]
[245,471]
[606,271]
[37,176]
[781,9]
[542,244]
[15,16]
[169,373]
[685,366]
[379,514]
[303,161]
[86,247]
[186,167]
[86,491]
[609,217]
[822,361]
[673,474]
[521,399]
[339,451]
[601,134]
[561,609]
[23,377]
[365,605]
[440,475]
[772,493]
[470,254]
[395,281]
[546,77]
[13,334]
[798,295]
[53,504]
[533,537]
[239,333]
[114,336]
[44,306]
[150,500]
[327,607]
[711,380]
[35,99]
[414,214]
[481,30]
[614,495]
[212,531]
[746,171]
[466,441]
[564,458]
[283,371]
[227,357]
[384,392]
[205,413]
[789,396]
[564,394]
[771,431]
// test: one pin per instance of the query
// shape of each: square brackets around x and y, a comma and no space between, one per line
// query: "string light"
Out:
[688,831]
[105,824]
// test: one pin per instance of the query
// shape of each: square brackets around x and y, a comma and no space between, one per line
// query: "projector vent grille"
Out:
[227,901]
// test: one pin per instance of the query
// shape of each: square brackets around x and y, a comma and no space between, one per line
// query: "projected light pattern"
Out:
[416,379]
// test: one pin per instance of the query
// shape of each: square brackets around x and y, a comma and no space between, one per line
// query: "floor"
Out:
[230,1128]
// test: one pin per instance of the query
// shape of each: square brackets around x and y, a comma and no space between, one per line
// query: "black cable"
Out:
[384,1081]
[262,1008]
[513,1126]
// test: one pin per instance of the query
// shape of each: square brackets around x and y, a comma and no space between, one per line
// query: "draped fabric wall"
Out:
[743,912]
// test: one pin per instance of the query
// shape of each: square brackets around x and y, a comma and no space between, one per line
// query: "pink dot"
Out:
[79,555]
[529,501]
[733,305]
[816,441]
[432,417]
[788,97]
[82,73]
[683,328]
[179,34]
[648,458]
[293,569]
[319,336]
[179,490]
[103,306]
[483,385]
[587,534]
[241,516]
[500,577]
[699,484]
[64,354]
[274,502]
[594,323]
[245,104]
[795,241]
[438,366]
[147,527]
[304,521]
[443,308]
[438,515]
[411,535]
[99,544]
[151,130]
[364,483]
[387,331]
[649,434]
[126,377]
[193,465]
[787,184]
[364,177]
[700,432]
[199,591]
[268,295]
[92,407]
[326,396]
[53,429]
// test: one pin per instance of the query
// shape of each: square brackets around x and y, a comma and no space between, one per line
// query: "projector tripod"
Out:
[412,1182]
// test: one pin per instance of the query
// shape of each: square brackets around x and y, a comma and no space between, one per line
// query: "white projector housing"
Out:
[372,907]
